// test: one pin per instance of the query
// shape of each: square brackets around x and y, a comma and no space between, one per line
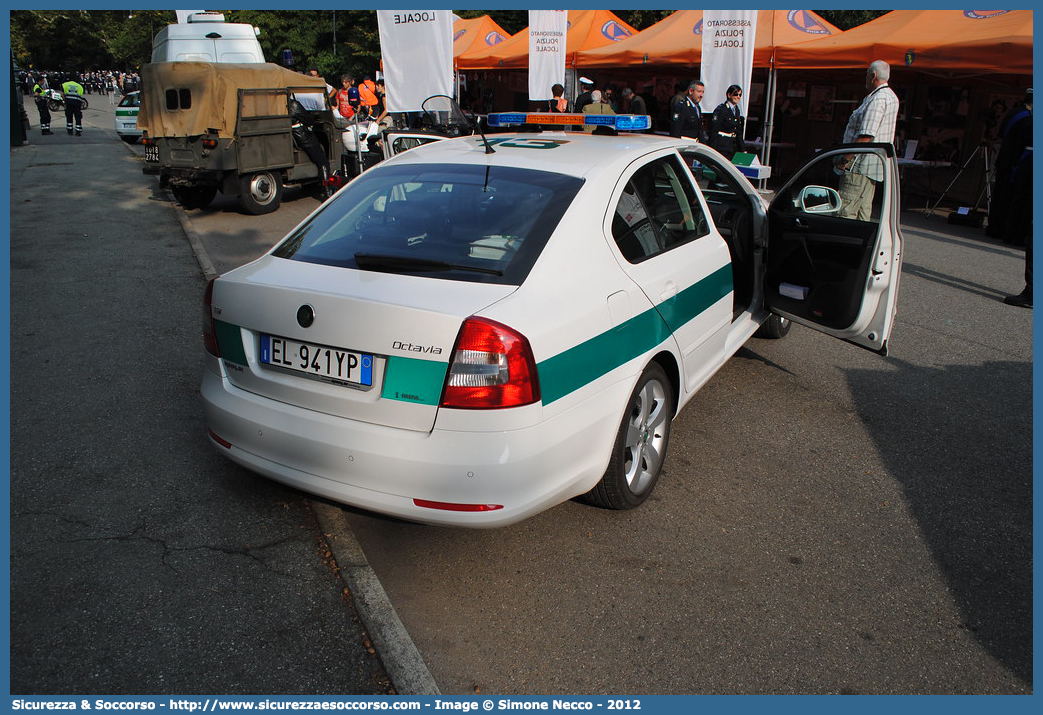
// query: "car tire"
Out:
[260,193]
[774,327]
[130,139]
[194,197]
[640,445]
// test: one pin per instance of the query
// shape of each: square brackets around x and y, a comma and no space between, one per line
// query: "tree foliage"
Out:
[85,39]
[846,19]
[514,21]
[331,41]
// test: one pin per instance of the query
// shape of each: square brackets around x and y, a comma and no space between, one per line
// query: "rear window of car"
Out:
[470,223]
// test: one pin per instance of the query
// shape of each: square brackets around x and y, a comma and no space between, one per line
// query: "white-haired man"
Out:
[873,121]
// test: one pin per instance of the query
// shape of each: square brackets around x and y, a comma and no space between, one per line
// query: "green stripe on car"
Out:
[230,342]
[571,369]
[412,380]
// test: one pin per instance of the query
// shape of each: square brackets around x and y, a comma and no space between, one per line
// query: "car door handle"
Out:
[800,223]
[669,291]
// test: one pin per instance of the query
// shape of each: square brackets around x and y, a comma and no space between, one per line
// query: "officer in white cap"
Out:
[587,85]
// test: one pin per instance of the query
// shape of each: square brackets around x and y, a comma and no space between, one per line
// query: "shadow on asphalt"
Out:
[974,511]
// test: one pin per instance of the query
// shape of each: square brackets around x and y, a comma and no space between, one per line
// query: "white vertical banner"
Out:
[547,30]
[416,47]
[728,42]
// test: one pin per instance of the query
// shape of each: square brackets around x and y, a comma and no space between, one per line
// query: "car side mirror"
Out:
[819,200]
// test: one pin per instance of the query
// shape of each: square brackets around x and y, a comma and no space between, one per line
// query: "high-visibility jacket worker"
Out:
[40,96]
[73,92]
[368,93]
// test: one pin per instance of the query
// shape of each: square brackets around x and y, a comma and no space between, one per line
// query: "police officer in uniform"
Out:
[585,96]
[41,106]
[303,137]
[726,128]
[73,92]
[686,118]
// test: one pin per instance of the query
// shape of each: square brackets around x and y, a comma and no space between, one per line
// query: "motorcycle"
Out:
[56,100]
[361,138]
[357,136]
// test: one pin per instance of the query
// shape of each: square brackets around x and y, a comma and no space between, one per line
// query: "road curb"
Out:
[402,660]
[202,257]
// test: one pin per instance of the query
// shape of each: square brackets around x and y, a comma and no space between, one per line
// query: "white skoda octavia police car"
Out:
[127,117]
[481,328]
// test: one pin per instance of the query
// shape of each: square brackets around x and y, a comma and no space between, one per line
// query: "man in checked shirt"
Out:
[873,121]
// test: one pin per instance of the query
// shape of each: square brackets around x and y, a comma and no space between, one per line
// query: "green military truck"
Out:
[210,127]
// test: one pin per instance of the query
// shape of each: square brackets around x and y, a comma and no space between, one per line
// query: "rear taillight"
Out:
[492,367]
[210,143]
[209,330]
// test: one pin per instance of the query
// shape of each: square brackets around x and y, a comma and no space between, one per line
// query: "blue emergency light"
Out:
[619,122]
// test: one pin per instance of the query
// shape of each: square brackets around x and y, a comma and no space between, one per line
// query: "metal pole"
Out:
[769,108]
[769,121]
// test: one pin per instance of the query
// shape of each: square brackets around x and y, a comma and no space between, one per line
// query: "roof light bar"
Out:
[619,122]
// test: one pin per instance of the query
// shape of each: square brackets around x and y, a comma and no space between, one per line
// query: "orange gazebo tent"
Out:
[587,29]
[476,34]
[937,40]
[678,39]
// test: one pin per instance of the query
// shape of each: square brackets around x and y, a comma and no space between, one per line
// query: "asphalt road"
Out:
[829,521]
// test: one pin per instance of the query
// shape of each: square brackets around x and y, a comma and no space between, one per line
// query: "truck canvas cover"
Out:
[211,92]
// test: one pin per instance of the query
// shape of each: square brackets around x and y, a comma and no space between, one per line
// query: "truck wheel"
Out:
[774,327]
[640,447]
[260,193]
[194,197]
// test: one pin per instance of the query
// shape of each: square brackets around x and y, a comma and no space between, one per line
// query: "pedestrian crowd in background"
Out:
[94,82]
[363,101]
[68,90]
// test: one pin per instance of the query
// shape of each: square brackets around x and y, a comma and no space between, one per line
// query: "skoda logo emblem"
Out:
[305,316]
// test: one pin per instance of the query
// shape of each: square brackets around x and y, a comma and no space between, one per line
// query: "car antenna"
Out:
[477,124]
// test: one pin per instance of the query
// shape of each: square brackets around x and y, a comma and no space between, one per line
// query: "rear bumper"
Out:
[384,469]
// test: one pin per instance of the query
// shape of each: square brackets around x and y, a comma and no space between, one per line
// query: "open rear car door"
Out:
[834,245]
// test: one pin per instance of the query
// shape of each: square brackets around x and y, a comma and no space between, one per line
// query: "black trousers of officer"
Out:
[309,144]
[73,110]
[45,114]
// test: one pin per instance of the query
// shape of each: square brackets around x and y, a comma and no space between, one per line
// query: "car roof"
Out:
[572,153]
